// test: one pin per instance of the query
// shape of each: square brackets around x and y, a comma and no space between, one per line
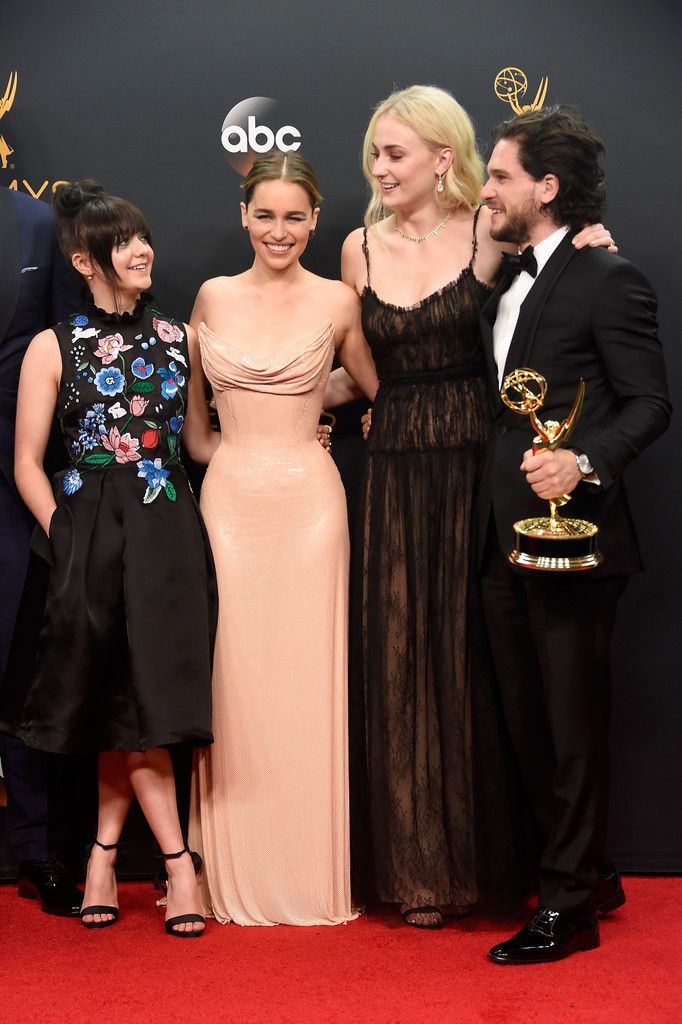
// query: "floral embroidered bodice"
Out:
[123,395]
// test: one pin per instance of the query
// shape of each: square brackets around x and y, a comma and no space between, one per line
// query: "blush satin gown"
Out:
[269,809]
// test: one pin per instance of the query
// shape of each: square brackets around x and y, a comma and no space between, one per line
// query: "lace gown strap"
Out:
[474,240]
[366,252]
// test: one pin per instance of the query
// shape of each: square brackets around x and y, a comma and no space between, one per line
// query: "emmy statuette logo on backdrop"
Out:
[5,107]
[6,151]
[246,133]
[511,85]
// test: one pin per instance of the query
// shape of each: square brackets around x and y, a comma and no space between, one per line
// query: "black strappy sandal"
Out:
[182,918]
[433,926]
[114,911]
[161,877]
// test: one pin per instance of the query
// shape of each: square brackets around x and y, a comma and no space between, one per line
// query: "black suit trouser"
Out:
[26,771]
[550,635]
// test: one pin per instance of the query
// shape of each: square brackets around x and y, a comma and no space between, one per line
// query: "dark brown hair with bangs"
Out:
[93,222]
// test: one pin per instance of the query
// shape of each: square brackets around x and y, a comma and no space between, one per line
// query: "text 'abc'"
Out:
[259,138]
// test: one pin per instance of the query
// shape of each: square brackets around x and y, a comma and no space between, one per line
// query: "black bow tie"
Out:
[513,265]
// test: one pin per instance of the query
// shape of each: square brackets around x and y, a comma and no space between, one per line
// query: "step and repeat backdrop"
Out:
[160,101]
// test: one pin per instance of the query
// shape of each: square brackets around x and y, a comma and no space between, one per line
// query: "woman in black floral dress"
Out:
[124,661]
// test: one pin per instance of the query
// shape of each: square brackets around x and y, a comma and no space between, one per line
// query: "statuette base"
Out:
[556,545]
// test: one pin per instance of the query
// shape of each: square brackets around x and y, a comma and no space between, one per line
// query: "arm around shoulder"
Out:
[352,348]
[199,437]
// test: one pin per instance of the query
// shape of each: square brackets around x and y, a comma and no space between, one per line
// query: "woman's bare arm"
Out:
[352,349]
[41,372]
[200,439]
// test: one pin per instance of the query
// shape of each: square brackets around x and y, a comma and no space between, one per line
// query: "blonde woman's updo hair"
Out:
[278,166]
[440,122]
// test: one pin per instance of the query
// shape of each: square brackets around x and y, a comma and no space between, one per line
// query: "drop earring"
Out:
[440,187]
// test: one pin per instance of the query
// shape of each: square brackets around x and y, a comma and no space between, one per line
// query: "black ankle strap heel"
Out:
[161,880]
[162,883]
[105,846]
[99,909]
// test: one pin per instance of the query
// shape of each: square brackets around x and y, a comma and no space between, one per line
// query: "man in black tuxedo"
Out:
[36,291]
[567,314]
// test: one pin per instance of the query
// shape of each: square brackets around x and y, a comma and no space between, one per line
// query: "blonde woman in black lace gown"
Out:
[442,818]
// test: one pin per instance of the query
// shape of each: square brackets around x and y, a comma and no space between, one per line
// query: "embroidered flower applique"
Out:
[108,348]
[124,446]
[172,379]
[167,332]
[157,480]
[72,481]
[110,381]
[143,420]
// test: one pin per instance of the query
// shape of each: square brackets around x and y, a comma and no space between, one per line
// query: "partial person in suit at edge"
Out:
[571,314]
[36,290]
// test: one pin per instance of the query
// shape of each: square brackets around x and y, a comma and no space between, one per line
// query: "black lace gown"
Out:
[441,818]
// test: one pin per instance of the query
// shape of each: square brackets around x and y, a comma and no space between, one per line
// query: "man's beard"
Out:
[516,229]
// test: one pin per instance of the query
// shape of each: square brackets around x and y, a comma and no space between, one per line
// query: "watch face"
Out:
[584,464]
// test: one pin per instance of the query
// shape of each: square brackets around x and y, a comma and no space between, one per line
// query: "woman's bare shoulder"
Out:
[334,291]
[219,285]
[353,241]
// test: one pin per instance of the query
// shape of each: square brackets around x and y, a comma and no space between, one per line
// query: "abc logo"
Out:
[246,132]
[259,138]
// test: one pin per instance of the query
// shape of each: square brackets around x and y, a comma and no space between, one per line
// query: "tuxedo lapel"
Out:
[10,260]
[521,347]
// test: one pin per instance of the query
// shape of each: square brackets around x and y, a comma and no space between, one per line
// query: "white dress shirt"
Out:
[510,303]
[509,308]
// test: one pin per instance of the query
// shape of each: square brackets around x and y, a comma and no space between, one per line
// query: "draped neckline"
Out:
[315,334]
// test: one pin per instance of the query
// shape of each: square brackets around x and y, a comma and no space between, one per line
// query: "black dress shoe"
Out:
[608,894]
[548,936]
[47,880]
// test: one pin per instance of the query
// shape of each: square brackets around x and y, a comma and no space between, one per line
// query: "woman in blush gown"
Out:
[269,806]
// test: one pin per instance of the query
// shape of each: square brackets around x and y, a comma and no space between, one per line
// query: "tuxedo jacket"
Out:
[37,289]
[589,314]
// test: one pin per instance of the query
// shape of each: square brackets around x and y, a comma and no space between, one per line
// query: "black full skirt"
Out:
[125,651]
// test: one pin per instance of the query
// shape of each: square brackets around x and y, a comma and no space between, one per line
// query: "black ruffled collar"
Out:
[145,300]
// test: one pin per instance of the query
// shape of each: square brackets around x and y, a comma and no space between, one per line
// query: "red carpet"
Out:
[53,971]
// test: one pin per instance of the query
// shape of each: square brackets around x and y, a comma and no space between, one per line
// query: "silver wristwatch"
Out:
[585,467]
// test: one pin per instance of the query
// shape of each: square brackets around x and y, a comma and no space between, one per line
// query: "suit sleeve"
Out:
[64,292]
[625,328]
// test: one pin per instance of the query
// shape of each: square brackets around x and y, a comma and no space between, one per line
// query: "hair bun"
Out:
[71,198]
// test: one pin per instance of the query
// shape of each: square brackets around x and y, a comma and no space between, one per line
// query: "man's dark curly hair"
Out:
[556,140]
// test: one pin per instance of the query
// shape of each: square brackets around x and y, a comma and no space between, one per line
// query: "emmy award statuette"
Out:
[550,543]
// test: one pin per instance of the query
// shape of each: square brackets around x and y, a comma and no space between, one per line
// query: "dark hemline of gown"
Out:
[125,651]
[433,783]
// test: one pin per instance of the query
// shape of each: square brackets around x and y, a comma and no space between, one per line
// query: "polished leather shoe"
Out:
[47,880]
[608,894]
[548,936]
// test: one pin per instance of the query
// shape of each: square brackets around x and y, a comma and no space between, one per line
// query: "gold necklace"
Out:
[429,234]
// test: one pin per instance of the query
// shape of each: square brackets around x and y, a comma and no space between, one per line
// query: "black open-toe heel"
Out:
[98,909]
[182,918]
[161,877]
[430,925]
